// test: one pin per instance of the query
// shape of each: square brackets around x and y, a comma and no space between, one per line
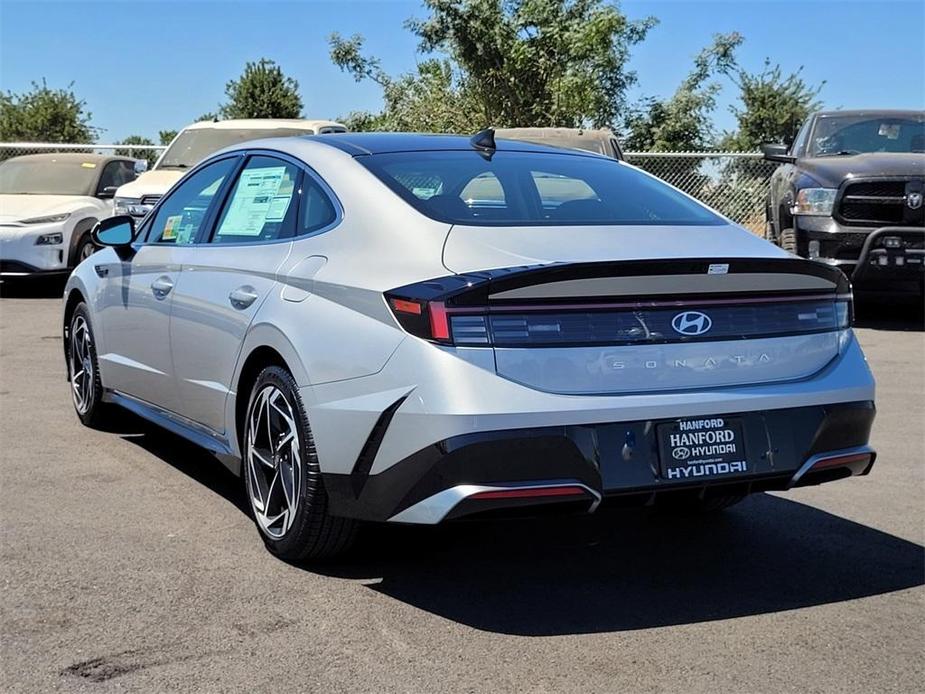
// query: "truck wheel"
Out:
[788,241]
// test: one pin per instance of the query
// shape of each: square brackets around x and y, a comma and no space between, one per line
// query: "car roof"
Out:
[359,144]
[263,124]
[884,112]
[88,158]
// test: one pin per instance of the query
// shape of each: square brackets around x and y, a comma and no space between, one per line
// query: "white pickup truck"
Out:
[197,141]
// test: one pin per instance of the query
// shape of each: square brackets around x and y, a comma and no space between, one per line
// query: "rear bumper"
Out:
[582,466]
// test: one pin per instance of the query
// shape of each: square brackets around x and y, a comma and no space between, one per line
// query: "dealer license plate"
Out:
[703,448]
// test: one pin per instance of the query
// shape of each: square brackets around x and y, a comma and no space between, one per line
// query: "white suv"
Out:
[196,142]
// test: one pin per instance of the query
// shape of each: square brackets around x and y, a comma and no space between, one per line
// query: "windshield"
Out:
[48,177]
[841,135]
[533,189]
[192,146]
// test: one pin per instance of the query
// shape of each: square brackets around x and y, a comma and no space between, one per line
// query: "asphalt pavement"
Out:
[130,564]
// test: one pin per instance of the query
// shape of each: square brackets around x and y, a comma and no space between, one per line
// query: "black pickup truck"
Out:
[850,193]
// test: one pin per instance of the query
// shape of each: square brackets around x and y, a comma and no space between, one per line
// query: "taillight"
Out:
[495,308]
[426,319]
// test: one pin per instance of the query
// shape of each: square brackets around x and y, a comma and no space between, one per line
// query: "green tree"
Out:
[774,106]
[43,114]
[165,137]
[148,154]
[505,63]
[262,91]
[683,122]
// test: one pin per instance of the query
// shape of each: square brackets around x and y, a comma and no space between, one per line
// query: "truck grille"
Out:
[879,203]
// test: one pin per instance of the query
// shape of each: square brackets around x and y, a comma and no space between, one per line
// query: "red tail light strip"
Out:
[531,493]
[548,307]
[863,455]
[839,460]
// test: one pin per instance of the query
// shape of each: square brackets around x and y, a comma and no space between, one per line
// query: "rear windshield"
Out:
[194,145]
[533,189]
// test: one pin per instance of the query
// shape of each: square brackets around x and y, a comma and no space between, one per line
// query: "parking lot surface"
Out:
[128,563]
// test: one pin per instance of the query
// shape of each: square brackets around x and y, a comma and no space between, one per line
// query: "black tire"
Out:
[83,249]
[308,532]
[788,241]
[82,361]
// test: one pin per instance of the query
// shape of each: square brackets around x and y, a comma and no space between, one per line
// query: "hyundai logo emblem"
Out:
[691,323]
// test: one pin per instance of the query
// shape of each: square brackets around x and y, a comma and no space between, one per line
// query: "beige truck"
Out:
[601,141]
[197,141]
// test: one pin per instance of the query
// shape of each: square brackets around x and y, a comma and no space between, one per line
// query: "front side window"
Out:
[181,215]
[115,174]
[533,189]
[263,204]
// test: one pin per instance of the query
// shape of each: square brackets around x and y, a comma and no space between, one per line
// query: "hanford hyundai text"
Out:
[407,328]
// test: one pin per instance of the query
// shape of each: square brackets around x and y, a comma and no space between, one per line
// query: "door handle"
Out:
[161,287]
[242,297]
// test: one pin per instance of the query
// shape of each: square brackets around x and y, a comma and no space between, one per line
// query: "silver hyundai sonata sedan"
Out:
[411,328]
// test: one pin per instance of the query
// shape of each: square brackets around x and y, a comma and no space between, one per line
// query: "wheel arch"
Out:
[82,227]
[264,346]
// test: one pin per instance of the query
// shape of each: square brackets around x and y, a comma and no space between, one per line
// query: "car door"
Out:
[226,278]
[137,295]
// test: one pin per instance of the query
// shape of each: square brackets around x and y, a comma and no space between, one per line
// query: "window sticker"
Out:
[889,130]
[279,205]
[255,202]
[185,233]
[171,227]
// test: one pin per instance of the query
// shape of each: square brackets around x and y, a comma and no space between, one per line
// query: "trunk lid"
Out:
[640,325]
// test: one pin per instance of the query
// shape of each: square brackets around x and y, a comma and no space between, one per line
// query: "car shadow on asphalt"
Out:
[618,570]
[628,570]
[187,457]
[877,312]
[33,288]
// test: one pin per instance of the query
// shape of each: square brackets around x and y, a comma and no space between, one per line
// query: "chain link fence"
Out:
[734,183]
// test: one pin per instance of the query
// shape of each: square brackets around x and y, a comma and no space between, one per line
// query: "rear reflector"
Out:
[405,306]
[839,460]
[527,493]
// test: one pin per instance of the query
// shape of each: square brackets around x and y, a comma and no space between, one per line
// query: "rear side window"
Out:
[318,212]
[533,189]
[263,203]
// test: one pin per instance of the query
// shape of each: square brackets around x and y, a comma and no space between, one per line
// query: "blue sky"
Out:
[146,66]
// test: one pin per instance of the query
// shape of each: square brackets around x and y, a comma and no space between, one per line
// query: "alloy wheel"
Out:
[81,363]
[273,458]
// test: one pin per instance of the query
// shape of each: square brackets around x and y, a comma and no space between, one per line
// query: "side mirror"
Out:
[141,165]
[108,192]
[118,231]
[777,152]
